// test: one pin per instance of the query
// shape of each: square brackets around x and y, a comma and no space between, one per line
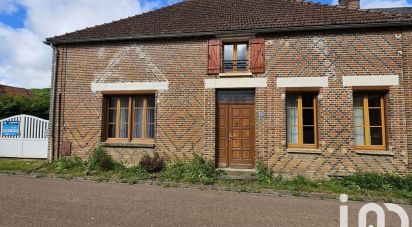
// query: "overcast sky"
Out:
[24,24]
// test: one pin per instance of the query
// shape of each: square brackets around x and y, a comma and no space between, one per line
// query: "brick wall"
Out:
[180,110]
[407,80]
[186,112]
[332,55]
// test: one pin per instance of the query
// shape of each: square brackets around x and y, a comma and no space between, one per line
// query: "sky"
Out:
[25,61]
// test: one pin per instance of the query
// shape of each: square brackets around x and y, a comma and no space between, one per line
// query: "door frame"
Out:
[253,136]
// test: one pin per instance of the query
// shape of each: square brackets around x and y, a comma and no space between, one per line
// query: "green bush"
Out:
[36,105]
[99,160]
[197,170]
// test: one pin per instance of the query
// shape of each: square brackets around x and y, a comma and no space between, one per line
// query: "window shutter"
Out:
[214,56]
[257,55]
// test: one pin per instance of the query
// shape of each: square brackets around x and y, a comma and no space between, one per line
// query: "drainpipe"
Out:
[53,100]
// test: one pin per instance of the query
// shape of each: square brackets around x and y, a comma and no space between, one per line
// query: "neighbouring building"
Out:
[14,91]
[306,88]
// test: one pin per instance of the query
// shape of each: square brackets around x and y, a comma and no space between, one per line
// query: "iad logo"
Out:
[372,207]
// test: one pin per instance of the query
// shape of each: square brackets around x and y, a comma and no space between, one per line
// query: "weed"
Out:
[197,170]
[66,165]
[101,161]
[264,174]
[152,164]
[378,182]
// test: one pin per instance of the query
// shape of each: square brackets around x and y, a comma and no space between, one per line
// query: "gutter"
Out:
[53,100]
[235,32]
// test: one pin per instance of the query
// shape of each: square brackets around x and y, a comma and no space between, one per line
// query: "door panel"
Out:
[223,136]
[236,132]
[241,135]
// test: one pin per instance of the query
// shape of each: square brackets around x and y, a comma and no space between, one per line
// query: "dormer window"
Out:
[235,57]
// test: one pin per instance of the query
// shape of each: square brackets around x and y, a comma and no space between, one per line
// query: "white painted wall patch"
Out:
[130,86]
[302,82]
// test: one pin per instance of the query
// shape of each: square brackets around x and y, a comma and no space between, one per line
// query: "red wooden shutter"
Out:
[214,56]
[257,55]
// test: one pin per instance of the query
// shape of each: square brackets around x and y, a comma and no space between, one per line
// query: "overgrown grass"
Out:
[7,164]
[102,167]
[197,170]
[72,166]
[386,186]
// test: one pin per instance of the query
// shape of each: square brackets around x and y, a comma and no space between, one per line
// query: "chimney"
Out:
[350,4]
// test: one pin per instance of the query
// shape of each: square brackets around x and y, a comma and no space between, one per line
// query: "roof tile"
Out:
[196,16]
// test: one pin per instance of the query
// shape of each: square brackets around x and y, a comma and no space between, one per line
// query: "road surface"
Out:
[27,201]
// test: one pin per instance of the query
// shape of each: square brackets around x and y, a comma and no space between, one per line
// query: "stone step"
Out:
[237,174]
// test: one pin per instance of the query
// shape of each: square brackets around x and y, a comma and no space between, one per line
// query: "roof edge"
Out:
[234,32]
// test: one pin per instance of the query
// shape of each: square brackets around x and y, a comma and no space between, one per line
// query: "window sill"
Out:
[235,74]
[374,152]
[304,151]
[127,145]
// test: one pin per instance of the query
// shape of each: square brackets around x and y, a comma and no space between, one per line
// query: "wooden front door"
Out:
[236,135]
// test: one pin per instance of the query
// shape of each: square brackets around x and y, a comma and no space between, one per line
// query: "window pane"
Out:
[358,101]
[376,136]
[308,117]
[112,131]
[150,122]
[292,119]
[151,101]
[112,102]
[112,115]
[359,122]
[228,52]
[359,136]
[124,117]
[241,57]
[112,107]
[359,118]
[375,117]
[138,129]
[228,58]
[241,51]
[307,100]
[309,135]
[374,100]
[138,117]
[150,131]
[139,102]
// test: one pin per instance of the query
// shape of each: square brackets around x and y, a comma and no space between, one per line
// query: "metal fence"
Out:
[24,136]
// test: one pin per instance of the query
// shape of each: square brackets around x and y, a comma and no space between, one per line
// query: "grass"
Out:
[12,165]
[101,167]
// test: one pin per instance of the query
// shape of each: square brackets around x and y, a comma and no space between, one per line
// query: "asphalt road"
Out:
[26,201]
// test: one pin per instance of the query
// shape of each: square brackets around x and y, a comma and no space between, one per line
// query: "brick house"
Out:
[14,91]
[306,88]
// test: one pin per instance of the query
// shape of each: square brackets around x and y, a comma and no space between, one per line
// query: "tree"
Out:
[38,105]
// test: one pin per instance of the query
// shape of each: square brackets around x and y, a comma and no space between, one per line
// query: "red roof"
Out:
[207,16]
[14,91]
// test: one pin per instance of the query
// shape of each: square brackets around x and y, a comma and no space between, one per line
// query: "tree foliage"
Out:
[37,105]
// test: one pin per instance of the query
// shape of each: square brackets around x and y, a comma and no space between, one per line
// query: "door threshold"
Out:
[238,170]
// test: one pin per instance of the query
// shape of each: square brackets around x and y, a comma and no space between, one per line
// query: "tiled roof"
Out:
[14,91]
[206,16]
[399,10]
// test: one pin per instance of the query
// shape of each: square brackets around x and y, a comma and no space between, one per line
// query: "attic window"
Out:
[235,57]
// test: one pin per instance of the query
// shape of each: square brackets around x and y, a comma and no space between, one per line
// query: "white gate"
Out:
[24,136]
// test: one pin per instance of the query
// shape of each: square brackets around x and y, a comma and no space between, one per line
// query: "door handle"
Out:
[230,136]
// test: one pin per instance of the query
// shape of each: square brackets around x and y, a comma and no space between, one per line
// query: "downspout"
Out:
[53,101]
